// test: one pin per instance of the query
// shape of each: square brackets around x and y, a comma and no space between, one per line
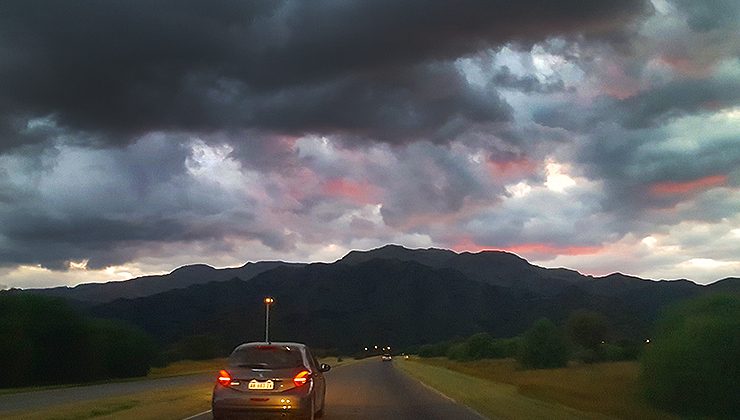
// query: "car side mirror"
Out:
[324,367]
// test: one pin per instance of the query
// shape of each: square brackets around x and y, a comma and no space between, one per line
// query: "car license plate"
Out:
[254,384]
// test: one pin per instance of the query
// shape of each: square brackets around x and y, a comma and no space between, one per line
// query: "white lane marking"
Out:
[196,415]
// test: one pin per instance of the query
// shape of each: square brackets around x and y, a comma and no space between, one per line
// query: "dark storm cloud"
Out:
[117,69]
[631,163]
[649,108]
[110,206]
[675,99]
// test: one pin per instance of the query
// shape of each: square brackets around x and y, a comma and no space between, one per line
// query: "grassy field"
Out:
[603,390]
[172,403]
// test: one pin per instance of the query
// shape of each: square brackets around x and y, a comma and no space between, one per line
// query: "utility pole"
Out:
[268,302]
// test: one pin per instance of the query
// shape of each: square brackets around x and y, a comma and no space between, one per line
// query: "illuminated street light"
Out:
[268,302]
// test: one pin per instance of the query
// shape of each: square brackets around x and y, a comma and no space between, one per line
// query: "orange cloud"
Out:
[688,187]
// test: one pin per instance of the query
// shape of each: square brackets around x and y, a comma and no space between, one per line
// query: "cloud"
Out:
[116,71]
[139,135]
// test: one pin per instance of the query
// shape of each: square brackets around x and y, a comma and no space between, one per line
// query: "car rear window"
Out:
[266,357]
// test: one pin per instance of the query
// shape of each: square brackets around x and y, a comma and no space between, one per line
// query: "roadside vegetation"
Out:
[43,341]
[690,367]
[170,403]
[500,388]
[693,365]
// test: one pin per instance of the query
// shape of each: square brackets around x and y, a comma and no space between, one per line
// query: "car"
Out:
[386,357]
[270,379]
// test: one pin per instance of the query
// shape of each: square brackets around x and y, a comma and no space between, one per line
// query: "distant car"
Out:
[386,357]
[282,379]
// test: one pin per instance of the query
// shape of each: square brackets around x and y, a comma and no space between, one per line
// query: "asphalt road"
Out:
[372,389]
[369,389]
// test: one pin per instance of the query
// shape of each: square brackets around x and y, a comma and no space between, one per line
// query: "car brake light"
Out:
[224,378]
[301,378]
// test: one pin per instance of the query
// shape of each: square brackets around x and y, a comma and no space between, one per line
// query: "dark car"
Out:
[280,379]
[386,357]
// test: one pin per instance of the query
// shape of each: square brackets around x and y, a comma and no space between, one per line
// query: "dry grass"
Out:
[174,403]
[606,388]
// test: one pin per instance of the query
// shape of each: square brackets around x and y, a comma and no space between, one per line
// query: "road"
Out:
[368,389]
[372,389]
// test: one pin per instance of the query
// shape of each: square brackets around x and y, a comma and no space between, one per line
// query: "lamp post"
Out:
[268,302]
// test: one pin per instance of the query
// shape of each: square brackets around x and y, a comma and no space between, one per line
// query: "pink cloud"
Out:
[528,249]
[511,169]
[688,187]
[357,192]
[687,66]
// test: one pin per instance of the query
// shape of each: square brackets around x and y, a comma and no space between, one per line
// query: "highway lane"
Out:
[372,389]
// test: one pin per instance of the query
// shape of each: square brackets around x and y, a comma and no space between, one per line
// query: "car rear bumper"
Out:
[270,405]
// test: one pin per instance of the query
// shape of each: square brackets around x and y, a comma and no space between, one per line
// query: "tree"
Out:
[45,341]
[543,346]
[691,366]
[587,329]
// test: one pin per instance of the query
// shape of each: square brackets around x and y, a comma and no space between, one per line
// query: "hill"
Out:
[150,285]
[391,295]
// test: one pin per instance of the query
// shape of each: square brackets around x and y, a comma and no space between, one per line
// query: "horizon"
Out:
[370,250]
[602,137]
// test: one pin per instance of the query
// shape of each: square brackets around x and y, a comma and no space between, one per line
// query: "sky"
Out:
[138,136]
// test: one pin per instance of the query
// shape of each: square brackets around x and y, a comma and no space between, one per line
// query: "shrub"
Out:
[543,346]
[459,352]
[435,350]
[587,330]
[691,366]
[121,350]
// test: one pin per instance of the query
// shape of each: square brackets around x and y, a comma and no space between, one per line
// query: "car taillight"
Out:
[224,378]
[301,378]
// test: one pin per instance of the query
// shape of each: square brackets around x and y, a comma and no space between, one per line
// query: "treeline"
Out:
[44,341]
[586,337]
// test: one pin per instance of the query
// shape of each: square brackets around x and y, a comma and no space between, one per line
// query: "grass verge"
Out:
[603,390]
[492,399]
[173,403]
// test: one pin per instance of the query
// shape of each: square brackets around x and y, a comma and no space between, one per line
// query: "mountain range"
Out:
[392,295]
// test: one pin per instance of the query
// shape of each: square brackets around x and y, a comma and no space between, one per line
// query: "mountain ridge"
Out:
[498,268]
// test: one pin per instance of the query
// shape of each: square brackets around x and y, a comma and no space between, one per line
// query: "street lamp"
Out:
[268,302]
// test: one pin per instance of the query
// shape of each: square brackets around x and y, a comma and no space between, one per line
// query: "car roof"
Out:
[272,343]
